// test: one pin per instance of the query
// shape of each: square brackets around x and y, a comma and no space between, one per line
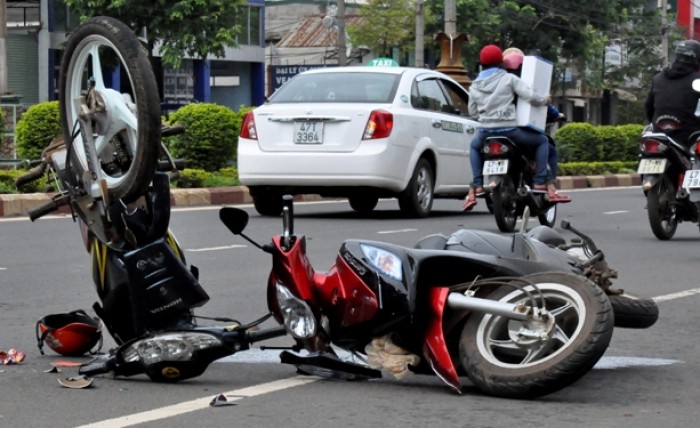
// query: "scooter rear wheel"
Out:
[505,205]
[123,107]
[509,358]
[661,209]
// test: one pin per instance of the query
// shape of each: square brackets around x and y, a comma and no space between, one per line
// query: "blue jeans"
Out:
[521,137]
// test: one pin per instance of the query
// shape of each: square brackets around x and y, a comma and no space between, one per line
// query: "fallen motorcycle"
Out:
[520,316]
[106,170]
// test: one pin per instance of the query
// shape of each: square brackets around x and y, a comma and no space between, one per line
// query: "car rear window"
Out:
[338,88]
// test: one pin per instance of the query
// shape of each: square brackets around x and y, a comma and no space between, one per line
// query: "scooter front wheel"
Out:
[509,358]
[107,80]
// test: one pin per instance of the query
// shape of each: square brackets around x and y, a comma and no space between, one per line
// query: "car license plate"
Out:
[651,166]
[691,180]
[496,167]
[308,132]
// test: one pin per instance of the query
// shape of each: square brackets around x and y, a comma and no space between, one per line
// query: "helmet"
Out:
[513,60]
[688,51]
[512,50]
[490,55]
[70,334]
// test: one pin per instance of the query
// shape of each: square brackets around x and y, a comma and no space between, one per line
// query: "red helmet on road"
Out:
[70,334]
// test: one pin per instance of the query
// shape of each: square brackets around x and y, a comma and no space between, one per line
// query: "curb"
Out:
[18,205]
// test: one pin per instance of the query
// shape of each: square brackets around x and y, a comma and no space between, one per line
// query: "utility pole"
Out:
[3,47]
[340,22]
[420,36]
[663,4]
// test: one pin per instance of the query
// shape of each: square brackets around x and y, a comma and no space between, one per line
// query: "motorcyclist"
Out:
[670,95]
[491,102]
[513,63]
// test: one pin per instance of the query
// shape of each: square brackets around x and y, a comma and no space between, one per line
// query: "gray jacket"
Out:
[492,98]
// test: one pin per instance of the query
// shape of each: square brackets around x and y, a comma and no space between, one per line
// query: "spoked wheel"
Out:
[549,217]
[510,358]
[661,209]
[417,199]
[505,205]
[107,78]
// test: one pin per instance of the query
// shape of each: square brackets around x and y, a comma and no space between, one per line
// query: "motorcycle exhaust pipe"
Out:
[509,310]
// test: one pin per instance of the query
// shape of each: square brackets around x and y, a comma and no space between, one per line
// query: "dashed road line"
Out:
[223,247]
[678,295]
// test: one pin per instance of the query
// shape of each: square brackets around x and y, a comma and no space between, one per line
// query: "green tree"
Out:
[195,28]
[36,128]
[386,24]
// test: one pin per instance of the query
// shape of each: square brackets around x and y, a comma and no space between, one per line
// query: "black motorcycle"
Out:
[665,167]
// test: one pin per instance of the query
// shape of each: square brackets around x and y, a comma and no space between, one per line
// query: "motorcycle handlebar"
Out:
[49,207]
[33,174]
[565,224]
[167,166]
[169,131]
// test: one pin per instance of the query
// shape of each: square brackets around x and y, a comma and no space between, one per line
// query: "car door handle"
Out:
[437,123]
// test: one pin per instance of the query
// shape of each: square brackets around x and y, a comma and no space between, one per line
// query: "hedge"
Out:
[583,142]
[36,128]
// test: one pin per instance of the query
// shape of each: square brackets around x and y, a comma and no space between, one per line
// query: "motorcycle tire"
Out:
[634,312]
[127,129]
[507,358]
[661,209]
[549,217]
[505,205]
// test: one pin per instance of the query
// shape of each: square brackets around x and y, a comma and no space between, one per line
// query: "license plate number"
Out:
[691,180]
[651,166]
[308,132]
[496,167]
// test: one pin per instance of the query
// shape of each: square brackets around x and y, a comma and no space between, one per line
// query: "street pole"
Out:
[420,36]
[664,31]
[340,22]
[451,47]
[3,47]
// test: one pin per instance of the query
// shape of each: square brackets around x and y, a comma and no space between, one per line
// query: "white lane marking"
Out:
[615,212]
[386,232]
[201,403]
[678,295]
[621,362]
[224,247]
[2,268]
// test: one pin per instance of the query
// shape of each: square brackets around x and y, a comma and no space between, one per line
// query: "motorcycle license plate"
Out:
[691,180]
[651,166]
[308,132]
[495,167]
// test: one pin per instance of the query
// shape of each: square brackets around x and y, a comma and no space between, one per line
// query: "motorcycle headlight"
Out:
[177,346]
[298,317]
[387,263]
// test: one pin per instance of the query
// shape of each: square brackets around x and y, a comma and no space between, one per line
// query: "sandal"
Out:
[469,203]
[552,194]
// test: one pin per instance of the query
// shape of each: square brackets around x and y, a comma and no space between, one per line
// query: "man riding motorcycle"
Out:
[670,96]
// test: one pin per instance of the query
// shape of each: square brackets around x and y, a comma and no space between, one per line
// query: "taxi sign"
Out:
[382,62]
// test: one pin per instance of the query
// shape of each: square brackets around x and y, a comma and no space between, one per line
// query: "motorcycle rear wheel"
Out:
[549,217]
[505,205]
[503,363]
[661,209]
[634,312]
[126,118]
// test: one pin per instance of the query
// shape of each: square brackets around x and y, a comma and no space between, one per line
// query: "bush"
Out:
[578,142]
[211,136]
[36,128]
[190,178]
[597,168]
[631,134]
[7,183]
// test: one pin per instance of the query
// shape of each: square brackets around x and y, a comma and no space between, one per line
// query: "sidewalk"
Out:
[17,205]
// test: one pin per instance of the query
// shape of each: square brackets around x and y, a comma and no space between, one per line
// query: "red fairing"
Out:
[435,348]
[340,293]
[351,300]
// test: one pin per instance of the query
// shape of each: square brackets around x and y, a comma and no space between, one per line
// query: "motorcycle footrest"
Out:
[329,362]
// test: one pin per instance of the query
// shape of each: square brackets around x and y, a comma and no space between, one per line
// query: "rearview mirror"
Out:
[696,85]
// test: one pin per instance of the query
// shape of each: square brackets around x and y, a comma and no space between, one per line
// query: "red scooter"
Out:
[517,321]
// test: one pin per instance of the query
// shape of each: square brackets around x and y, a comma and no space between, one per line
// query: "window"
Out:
[429,96]
[249,20]
[339,88]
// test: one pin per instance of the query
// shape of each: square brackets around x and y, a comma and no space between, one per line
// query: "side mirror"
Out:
[696,85]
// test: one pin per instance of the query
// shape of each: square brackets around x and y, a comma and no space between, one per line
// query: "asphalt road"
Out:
[647,378]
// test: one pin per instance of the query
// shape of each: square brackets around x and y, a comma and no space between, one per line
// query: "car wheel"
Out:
[363,203]
[417,199]
[268,204]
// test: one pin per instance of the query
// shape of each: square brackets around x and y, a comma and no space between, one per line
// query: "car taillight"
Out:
[495,148]
[379,125]
[248,127]
[652,146]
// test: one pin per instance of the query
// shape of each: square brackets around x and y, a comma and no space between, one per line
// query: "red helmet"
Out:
[71,334]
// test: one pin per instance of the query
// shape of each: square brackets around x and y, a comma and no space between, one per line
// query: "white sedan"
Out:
[359,132]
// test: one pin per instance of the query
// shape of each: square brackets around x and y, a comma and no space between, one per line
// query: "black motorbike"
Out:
[665,167]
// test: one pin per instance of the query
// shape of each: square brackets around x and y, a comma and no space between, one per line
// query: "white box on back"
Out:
[537,73]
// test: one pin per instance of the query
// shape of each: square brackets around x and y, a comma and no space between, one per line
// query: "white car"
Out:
[359,132]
